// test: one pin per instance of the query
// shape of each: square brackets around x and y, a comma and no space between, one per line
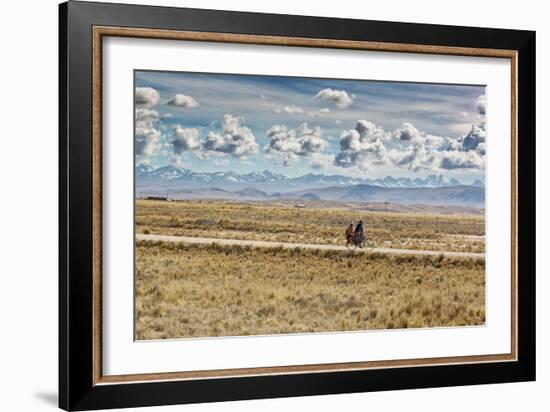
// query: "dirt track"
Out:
[261,243]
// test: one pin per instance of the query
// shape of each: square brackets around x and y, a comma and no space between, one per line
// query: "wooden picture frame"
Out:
[83,26]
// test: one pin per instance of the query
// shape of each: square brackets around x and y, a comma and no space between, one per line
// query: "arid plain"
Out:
[195,290]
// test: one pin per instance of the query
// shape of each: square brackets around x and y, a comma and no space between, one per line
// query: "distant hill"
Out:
[469,196]
[310,196]
[251,192]
[466,196]
[458,196]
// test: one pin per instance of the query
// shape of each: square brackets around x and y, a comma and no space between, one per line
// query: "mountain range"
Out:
[176,176]
[179,183]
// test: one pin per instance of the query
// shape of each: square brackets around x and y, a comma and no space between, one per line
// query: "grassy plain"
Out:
[190,290]
[313,224]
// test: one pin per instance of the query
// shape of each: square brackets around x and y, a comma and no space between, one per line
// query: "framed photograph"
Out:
[256,206]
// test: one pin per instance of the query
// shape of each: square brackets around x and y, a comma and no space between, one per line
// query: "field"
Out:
[316,223]
[190,290]
[211,290]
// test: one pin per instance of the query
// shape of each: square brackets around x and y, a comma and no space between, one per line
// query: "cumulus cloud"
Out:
[221,162]
[147,142]
[408,147]
[440,153]
[288,110]
[145,118]
[321,112]
[147,136]
[182,100]
[146,97]
[481,104]
[287,144]
[321,161]
[340,97]
[481,149]
[474,138]
[235,139]
[408,132]
[460,160]
[415,157]
[286,159]
[184,139]
[362,146]
[360,160]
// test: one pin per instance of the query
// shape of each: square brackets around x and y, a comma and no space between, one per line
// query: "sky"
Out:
[295,125]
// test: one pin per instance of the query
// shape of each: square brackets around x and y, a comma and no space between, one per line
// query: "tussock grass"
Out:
[213,290]
[322,225]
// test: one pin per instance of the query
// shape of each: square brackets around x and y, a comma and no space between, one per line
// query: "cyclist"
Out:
[358,233]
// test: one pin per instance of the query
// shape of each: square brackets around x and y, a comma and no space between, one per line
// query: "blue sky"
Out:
[293,126]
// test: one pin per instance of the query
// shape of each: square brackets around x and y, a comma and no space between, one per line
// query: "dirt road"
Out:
[262,243]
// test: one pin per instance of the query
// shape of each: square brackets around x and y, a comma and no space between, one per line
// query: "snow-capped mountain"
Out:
[165,173]
[143,169]
[167,176]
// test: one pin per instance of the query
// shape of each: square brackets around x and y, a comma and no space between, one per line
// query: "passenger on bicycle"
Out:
[349,233]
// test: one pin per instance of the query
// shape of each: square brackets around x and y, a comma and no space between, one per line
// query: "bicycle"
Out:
[363,243]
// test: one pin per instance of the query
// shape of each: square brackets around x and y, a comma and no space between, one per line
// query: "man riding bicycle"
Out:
[358,232]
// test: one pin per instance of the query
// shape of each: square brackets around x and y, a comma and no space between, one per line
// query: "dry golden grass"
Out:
[322,225]
[212,290]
